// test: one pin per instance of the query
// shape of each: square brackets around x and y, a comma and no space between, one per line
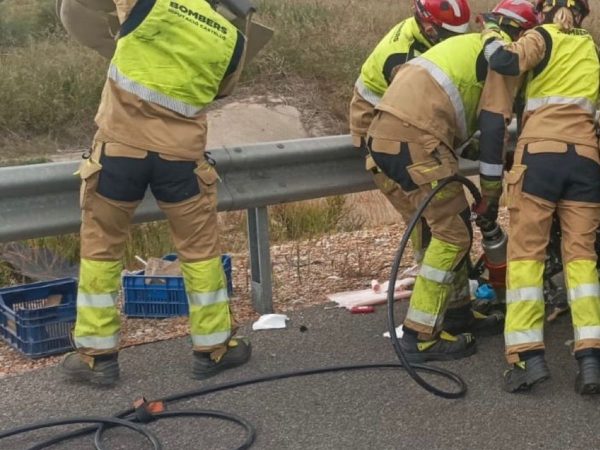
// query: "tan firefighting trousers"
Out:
[114,179]
[550,177]
[417,161]
[361,115]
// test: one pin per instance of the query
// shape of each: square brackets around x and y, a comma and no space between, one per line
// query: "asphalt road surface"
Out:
[371,409]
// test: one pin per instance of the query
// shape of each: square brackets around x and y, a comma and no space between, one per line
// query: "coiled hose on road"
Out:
[129,419]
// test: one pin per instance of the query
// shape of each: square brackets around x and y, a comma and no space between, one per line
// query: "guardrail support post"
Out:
[260,260]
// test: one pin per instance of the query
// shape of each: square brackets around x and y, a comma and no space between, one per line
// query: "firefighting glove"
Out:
[487,208]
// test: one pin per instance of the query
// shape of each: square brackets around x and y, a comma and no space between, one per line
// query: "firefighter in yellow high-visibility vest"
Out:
[172,59]
[411,37]
[556,170]
[413,143]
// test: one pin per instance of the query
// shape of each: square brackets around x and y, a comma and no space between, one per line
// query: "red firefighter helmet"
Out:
[581,6]
[451,15]
[521,12]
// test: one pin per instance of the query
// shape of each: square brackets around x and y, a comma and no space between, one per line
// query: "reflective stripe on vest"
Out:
[177,55]
[150,95]
[587,333]
[450,88]
[403,39]
[583,103]
[565,77]
[584,291]
[459,66]
[367,93]
[526,294]
[523,337]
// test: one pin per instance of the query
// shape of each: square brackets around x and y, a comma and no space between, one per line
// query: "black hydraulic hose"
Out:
[250,430]
[391,291]
[236,384]
[113,421]
[123,418]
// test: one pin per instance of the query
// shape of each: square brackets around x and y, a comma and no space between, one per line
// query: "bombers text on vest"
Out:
[175,53]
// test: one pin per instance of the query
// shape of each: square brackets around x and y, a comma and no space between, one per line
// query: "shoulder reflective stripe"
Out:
[523,337]
[524,295]
[491,170]
[208,298]
[150,95]
[446,83]
[587,333]
[437,275]
[421,317]
[210,339]
[584,290]
[97,342]
[491,48]
[96,300]
[367,93]
[583,103]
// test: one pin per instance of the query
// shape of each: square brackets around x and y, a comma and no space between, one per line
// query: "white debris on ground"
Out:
[270,322]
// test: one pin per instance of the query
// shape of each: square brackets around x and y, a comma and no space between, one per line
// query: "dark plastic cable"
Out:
[250,430]
[113,421]
[392,286]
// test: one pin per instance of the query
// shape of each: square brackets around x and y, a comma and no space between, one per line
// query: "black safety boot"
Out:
[101,369]
[526,374]
[588,378]
[467,320]
[206,365]
[445,347]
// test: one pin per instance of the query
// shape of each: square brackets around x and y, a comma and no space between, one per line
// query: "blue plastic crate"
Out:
[161,296]
[30,325]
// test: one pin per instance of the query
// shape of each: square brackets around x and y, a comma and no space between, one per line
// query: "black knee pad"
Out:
[173,181]
[394,166]
[123,179]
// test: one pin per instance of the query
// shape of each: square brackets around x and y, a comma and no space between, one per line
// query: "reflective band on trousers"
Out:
[523,337]
[583,103]
[97,342]
[210,339]
[366,93]
[151,96]
[96,300]
[208,298]
[583,291]
[587,333]
[524,295]
[421,317]
[437,275]
[491,170]
[446,83]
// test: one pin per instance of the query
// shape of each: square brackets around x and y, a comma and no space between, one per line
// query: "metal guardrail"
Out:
[42,200]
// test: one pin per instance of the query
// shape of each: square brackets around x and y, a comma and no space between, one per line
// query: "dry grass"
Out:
[49,86]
